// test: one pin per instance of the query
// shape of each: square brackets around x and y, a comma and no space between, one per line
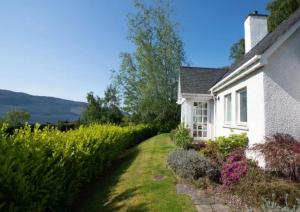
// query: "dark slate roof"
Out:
[267,41]
[196,80]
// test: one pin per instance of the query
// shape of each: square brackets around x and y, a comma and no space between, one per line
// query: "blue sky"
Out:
[66,48]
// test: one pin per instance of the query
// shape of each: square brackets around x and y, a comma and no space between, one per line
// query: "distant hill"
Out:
[41,108]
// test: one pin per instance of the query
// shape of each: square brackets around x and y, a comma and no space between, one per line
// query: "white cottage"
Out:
[259,95]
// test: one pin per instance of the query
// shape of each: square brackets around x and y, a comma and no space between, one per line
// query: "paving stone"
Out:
[220,208]
[203,208]
[201,200]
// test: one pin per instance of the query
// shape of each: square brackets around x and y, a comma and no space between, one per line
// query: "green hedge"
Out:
[44,170]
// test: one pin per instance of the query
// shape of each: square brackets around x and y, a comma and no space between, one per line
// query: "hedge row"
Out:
[43,170]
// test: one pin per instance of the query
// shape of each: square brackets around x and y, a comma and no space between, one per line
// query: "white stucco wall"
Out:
[255,109]
[282,89]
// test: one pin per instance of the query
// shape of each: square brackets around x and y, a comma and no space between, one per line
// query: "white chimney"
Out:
[256,28]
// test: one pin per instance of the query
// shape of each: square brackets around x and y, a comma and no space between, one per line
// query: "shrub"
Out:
[198,145]
[172,133]
[234,168]
[259,185]
[282,153]
[213,152]
[232,142]
[190,165]
[270,206]
[182,137]
[44,170]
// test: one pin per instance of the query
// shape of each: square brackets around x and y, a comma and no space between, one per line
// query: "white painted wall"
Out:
[255,109]
[282,89]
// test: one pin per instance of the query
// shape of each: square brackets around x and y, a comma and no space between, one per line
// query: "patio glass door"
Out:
[200,120]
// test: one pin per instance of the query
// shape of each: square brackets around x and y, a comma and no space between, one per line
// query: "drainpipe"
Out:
[215,115]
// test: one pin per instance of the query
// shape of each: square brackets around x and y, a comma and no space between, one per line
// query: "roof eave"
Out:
[253,64]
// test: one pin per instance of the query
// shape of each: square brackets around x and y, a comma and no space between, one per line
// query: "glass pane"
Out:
[195,103]
[194,126]
[205,120]
[243,106]
[228,108]
[205,112]
[199,134]
[194,133]
[204,134]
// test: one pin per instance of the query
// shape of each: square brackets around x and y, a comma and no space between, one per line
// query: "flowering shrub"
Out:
[234,168]
[282,153]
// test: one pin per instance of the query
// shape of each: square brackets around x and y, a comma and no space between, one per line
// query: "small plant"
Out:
[271,206]
[282,154]
[182,137]
[189,164]
[232,142]
[213,152]
[234,168]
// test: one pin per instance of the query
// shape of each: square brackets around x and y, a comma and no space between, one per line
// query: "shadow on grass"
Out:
[95,196]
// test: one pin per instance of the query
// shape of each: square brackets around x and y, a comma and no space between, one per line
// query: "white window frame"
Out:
[238,121]
[226,122]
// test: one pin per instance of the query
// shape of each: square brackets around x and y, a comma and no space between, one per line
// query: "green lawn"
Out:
[140,181]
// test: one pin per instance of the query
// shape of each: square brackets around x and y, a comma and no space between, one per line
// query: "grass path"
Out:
[140,181]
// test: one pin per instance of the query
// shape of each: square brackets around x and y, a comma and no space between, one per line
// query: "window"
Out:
[242,106]
[227,102]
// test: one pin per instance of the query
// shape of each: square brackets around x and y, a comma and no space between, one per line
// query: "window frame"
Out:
[226,122]
[238,107]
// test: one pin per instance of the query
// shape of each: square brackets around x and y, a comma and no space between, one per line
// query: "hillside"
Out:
[41,108]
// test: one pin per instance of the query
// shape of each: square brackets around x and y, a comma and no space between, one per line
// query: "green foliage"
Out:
[213,152]
[148,78]
[237,50]
[103,110]
[43,170]
[280,10]
[16,118]
[93,111]
[232,142]
[182,137]
[270,206]
[190,165]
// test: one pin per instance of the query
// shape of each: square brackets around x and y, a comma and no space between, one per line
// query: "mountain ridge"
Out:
[41,108]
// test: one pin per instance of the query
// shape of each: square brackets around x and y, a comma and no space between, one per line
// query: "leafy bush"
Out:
[190,165]
[213,152]
[232,142]
[259,185]
[198,145]
[182,137]
[234,168]
[44,170]
[172,133]
[282,153]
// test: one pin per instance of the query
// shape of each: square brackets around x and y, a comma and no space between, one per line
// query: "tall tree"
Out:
[111,107]
[237,51]
[93,111]
[149,76]
[280,10]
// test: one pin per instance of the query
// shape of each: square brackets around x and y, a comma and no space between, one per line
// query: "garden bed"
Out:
[221,168]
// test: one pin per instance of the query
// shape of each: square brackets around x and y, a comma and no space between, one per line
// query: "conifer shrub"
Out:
[44,170]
